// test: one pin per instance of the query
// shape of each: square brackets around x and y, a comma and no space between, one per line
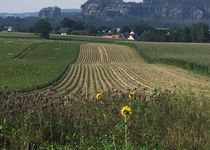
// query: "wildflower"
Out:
[125,111]
[98,96]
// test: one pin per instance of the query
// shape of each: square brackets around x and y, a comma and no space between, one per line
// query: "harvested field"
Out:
[104,67]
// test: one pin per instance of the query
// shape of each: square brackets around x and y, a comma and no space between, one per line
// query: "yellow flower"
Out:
[125,111]
[98,96]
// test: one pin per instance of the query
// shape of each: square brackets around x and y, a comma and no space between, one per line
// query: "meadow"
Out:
[189,56]
[12,47]
[39,67]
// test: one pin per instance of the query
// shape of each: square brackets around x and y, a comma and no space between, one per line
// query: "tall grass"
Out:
[159,120]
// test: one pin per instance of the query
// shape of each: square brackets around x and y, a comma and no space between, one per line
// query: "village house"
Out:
[8,28]
[63,31]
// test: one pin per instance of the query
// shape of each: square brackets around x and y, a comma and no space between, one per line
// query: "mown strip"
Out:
[27,50]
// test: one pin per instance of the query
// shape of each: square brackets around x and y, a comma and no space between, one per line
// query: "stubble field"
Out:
[105,67]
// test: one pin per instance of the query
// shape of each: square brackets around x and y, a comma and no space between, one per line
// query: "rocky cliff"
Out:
[154,10]
[50,12]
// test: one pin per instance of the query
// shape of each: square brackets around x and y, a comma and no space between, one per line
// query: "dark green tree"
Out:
[155,35]
[71,24]
[92,30]
[200,32]
[186,35]
[43,27]
[1,27]
[140,27]
[125,29]
[114,30]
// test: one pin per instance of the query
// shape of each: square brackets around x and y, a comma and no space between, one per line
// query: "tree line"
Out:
[198,32]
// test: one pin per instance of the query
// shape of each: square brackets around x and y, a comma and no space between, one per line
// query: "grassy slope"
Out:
[40,67]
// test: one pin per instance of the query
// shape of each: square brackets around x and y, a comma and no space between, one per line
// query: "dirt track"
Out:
[101,67]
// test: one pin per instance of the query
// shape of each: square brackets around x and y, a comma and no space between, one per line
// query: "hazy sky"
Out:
[36,5]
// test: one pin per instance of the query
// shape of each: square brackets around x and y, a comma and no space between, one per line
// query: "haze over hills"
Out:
[35,14]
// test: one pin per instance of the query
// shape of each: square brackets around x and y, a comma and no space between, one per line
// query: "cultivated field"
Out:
[132,113]
[103,67]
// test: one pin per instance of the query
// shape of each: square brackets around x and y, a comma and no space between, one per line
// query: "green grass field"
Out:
[40,67]
[18,35]
[188,56]
[12,47]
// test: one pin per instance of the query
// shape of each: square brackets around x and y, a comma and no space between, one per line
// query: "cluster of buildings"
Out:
[123,36]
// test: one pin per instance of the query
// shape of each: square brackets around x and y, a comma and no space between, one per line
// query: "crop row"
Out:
[103,67]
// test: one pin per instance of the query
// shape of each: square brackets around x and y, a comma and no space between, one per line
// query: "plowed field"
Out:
[102,67]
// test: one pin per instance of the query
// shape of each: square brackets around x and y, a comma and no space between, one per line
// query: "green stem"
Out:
[126,133]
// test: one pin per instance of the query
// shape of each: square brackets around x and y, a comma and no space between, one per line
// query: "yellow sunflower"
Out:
[98,96]
[126,111]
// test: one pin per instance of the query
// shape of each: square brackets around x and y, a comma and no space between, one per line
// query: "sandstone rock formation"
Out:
[110,10]
[50,12]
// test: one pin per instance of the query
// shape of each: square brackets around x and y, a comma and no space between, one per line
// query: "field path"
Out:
[102,67]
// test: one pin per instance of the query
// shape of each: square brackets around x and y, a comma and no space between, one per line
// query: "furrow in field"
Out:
[140,74]
[114,82]
[86,84]
[99,79]
[92,85]
[101,67]
[103,85]
[68,79]
[95,77]
[72,83]
[81,81]
[134,77]
[126,85]
[71,73]
[27,50]
[106,53]
[105,79]
[126,77]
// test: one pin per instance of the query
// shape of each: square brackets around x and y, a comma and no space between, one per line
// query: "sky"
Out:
[15,6]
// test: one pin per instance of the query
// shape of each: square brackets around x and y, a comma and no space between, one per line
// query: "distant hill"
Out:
[35,14]
[71,10]
[21,15]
